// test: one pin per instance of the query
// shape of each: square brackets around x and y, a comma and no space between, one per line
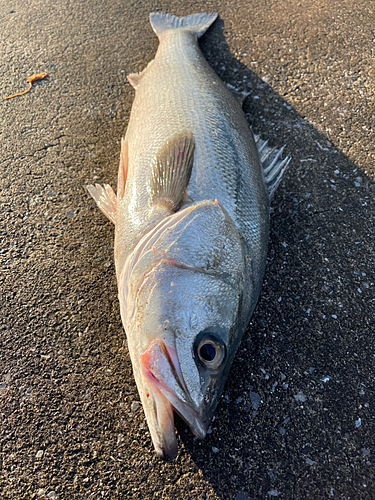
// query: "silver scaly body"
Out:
[189,262]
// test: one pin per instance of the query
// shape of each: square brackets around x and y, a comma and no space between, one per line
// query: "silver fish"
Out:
[191,219]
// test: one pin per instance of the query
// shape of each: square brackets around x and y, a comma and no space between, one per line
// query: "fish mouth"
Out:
[161,368]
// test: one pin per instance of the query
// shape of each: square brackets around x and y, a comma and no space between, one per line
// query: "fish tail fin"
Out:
[195,23]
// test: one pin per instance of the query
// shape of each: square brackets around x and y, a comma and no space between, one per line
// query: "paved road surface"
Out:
[297,419]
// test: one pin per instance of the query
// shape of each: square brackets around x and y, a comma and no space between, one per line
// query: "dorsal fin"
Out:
[272,164]
[171,171]
[241,95]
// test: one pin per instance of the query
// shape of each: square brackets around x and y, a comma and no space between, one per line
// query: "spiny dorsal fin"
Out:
[171,171]
[105,199]
[272,163]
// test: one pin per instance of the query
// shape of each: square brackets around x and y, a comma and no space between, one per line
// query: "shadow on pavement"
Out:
[296,407]
[295,421]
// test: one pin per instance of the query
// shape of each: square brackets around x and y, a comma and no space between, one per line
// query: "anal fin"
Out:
[105,199]
[135,78]
[171,171]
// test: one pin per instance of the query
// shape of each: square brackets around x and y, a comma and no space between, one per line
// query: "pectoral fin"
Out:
[171,171]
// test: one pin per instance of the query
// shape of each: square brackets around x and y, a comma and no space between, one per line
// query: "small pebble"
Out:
[135,406]
[39,454]
[215,450]
[254,400]
[41,492]
[310,462]
[242,496]
[52,495]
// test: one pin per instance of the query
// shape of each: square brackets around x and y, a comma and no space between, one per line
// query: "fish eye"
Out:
[211,352]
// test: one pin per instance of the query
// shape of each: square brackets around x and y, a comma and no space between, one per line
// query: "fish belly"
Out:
[179,91]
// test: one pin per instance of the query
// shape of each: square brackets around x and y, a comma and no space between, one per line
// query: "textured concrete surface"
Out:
[297,419]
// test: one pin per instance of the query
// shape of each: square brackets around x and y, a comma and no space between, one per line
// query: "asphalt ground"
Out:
[297,418]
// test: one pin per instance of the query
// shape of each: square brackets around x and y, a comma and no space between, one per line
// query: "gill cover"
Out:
[180,291]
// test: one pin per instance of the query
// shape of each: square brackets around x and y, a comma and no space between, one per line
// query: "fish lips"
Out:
[161,368]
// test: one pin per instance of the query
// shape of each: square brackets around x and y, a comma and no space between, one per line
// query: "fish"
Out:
[191,216]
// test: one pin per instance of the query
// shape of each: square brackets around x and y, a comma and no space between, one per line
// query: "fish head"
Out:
[180,296]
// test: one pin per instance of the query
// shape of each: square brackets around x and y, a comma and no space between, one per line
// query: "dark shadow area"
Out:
[295,419]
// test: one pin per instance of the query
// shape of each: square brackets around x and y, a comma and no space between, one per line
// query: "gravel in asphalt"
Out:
[297,417]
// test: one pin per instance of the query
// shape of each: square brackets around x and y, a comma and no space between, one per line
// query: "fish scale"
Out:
[186,93]
[191,229]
